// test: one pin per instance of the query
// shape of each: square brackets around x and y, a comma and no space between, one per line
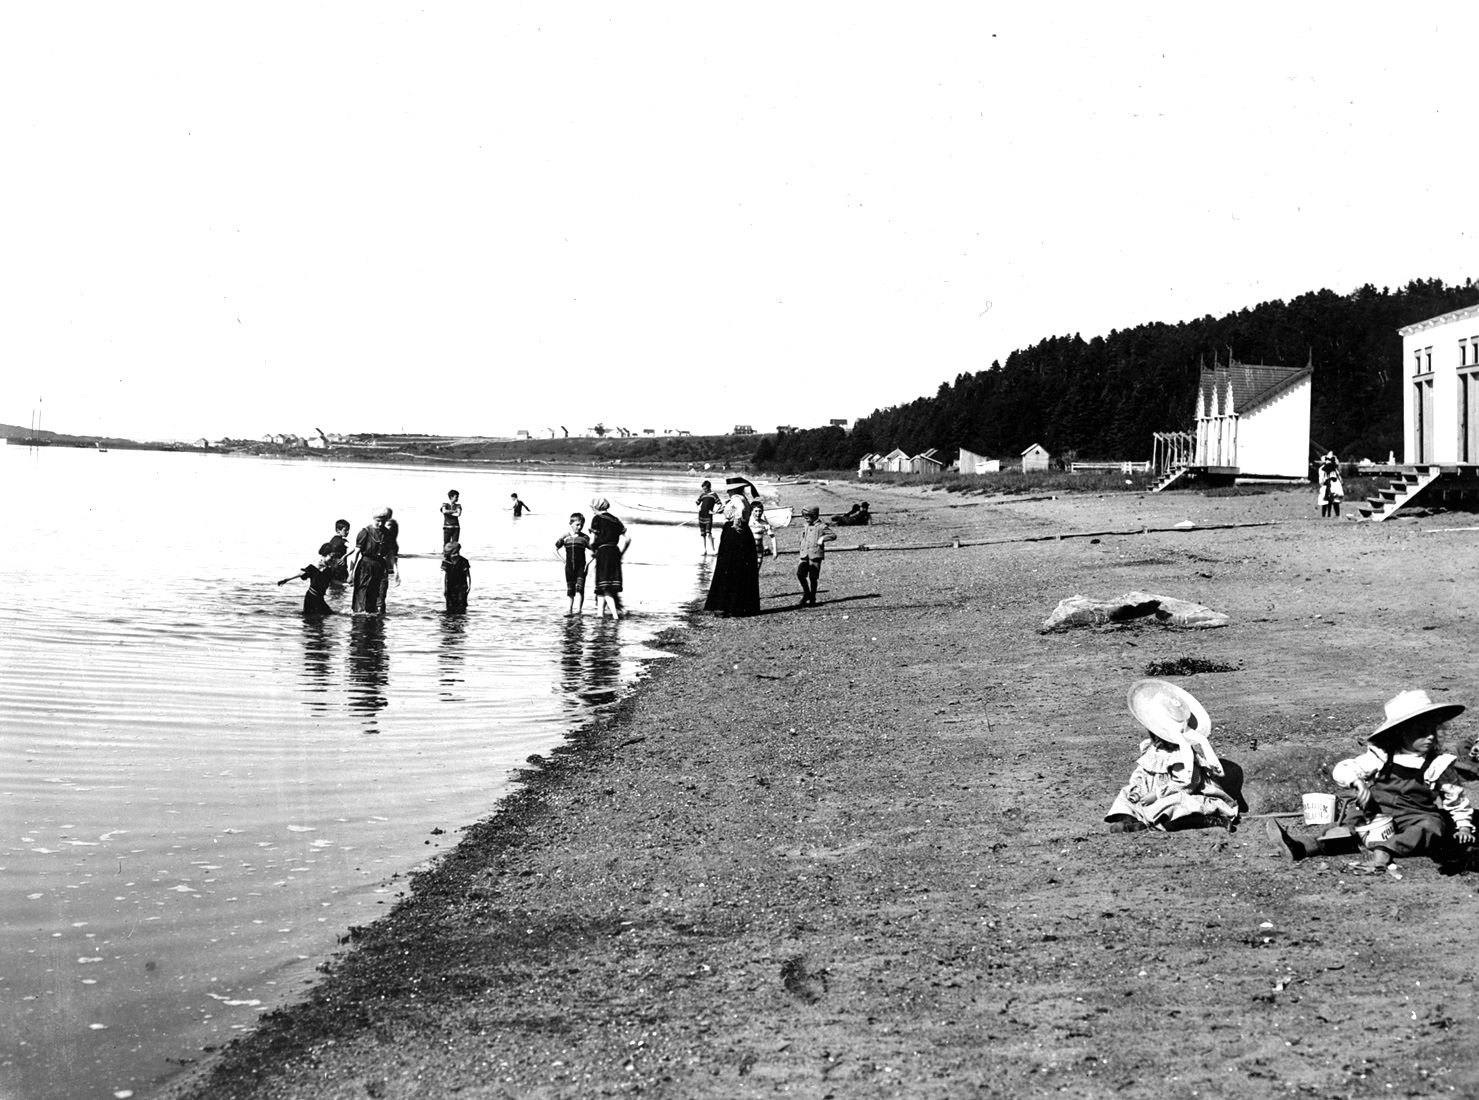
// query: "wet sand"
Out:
[858,850]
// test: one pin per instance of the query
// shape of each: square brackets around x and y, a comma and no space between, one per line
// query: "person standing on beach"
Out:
[370,565]
[456,577]
[735,587]
[575,543]
[609,542]
[1332,492]
[452,518]
[519,506]
[707,501]
[814,538]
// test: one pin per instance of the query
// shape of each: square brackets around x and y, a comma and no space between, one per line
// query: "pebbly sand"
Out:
[858,850]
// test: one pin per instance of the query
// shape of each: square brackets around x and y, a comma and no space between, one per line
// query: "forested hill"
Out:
[1102,398]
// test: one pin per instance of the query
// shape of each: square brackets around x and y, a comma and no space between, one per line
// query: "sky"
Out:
[475,218]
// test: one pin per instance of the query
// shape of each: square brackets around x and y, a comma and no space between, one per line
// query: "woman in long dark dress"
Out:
[735,587]
[370,565]
[609,541]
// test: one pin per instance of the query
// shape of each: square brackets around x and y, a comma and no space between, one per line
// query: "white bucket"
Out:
[1319,809]
[1379,828]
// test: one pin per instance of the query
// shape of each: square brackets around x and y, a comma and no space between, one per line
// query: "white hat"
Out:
[1169,712]
[1407,705]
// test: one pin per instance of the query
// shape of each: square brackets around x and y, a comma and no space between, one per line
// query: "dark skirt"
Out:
[608,569]
[369,583]
[735,588]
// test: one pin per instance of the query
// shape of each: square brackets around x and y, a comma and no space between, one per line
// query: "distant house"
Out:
[839,423]
[1440,414]
[1035,457]
[522,433]
[1254,419]
[316,443]
[895,462]
[649,431]
[926,462]
[971,463]
[743,429]
[867,464]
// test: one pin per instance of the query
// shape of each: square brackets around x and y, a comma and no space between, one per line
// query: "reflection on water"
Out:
[194,813]
[318,661]
[449,656]
[369,669]
[590,662]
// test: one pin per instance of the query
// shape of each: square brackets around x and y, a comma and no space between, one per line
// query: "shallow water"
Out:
[202,790]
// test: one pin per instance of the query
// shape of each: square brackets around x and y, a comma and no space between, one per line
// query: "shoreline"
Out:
[860,850]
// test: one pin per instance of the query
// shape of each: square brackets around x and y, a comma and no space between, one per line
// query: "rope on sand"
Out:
[959,544]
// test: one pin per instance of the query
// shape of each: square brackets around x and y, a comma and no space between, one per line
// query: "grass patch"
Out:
[1187,666]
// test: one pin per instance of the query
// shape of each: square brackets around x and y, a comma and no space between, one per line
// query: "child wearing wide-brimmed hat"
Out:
[1405,777]
[1178,780]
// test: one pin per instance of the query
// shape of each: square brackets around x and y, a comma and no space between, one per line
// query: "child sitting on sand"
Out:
[1175,781]
[1404,778]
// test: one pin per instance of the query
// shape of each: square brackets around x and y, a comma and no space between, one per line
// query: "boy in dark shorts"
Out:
[335,551]
[707,501]
[456,576]
[575,543]
[451,518]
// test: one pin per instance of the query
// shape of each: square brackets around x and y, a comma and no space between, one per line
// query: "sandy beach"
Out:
[859,850]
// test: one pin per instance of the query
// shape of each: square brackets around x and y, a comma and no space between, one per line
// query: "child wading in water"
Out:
[1410,792]
[575,543]
[1177,782]
[317,576]
[457,576]
[452,518]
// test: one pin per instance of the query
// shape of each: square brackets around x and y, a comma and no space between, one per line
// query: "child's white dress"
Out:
[1171,783]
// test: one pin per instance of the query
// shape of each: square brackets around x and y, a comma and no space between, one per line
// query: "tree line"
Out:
[1101,399]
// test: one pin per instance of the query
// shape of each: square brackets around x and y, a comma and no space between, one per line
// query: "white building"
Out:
[1440,414]
[1254,420]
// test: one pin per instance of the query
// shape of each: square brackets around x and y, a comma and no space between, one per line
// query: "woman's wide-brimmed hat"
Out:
[381,513]
[741,485]
[1406,706]
[1169,712]
[599,504]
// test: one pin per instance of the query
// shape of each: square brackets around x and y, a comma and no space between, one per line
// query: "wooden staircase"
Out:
[1400,491]
[1175,474]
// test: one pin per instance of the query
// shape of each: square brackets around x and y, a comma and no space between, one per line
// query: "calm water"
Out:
[201,790]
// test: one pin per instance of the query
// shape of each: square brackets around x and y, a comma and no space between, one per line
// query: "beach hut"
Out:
[895,462]
[867,464]
[1034,458]
[926,462]
[1253,420]
[972,463]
